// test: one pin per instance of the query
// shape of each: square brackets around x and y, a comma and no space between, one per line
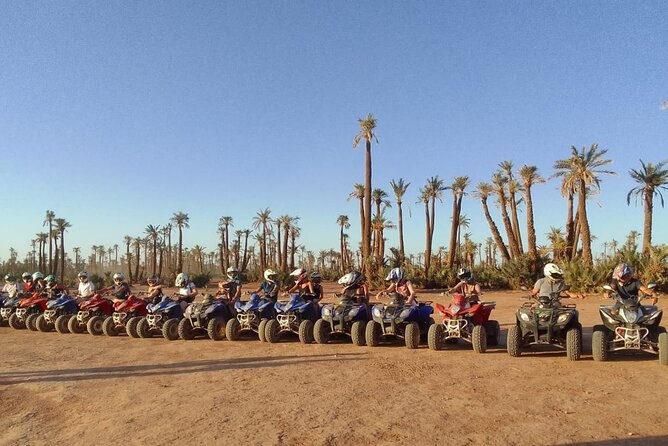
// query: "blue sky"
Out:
[117,114]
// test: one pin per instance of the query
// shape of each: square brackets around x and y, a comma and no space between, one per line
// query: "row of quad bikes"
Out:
[465,320]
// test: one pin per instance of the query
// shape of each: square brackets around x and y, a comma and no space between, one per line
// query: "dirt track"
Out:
[80,389]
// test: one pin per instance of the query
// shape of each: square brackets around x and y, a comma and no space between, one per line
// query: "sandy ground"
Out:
[80,389]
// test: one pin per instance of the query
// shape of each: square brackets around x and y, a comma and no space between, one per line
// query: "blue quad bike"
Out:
[297,316]
[206,318]
[8,306]
[162,319]
[399,321]
[252,317]
[345,319]
[58,313]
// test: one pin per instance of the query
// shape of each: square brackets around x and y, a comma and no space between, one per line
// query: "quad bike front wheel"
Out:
[663,348]
[94,325]
[574,343]
[357,333]
[514,341]
[322,330]
[15,322]
[434,336]
[233,330]
[373,333]
[170,329]
[30,321]
[306,331]
[41,324]
[62,323]
[109,328]
[599,343]
[143,330]
[479,339]
[260,330]
[216,328]
[412,335]
[186,331]
[131,326]
[272,331]
[74,326]
[493,332]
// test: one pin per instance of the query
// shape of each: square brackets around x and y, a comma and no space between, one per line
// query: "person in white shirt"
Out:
[86,287]
[11,287]
[187,289]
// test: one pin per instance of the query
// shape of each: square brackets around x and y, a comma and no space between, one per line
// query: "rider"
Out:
[552,283]
[86,287]
[308,287]
[120,290]
[38,282]
[230,289]
[187,289]
[401,289]
[354,287]
[467,285]
[270,286]
[28,283]
[154,292]
[626,285]
[12,288]
[53,287]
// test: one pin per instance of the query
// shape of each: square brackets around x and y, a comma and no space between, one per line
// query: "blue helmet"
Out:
[396,275]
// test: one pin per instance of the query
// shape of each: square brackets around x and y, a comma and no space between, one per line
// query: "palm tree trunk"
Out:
[366,252]
[570,229]
[516,224]
[454,226]
[427,248]
[62,255]
[401,231]
[647,226]
[286,234]
[512,242]
[179,265]
[531,230]
[584,225]
[137,259]
[498,240]
[244,263]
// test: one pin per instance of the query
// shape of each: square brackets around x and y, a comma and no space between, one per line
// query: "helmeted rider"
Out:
[552,284]
[120,290]
[154,291]
[467,285]
[11,287]
[28,283]
[38,282]
[270,286]
[230,289]
[187,289]
[86,287]
[401,289]
[53,287]
[308,287]
[627,285]
[354,288]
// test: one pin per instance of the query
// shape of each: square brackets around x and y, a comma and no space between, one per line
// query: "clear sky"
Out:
[117,114]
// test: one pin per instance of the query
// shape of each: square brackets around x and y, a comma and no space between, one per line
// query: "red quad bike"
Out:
[125,318]
[92,314]
[468,319]
[29,309]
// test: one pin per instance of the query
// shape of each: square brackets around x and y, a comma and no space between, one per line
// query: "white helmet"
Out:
[395,275]
[37,275]
[119,277]
[83,275]
[300,274]
[352,279]
[181,280]
[26,276]
[232,273]
[269,275]
[553,272]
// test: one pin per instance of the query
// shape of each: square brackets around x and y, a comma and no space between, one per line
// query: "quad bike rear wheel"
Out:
[479,339]
[514,341]
[322,331]
[599,343]
[373,333]
[574,343]
[306,331]
[663,348]
[412,335]
[260,330]
[41,324]
[62,323]
[109,328]
[186,331]
[272,331]
[233,329]
[131,326]
[216,328]
[15,322]
[434,336]
[94,325]
[357,333]
[74,326]
[170,329]
[493,332]
[143,330]
[30,322]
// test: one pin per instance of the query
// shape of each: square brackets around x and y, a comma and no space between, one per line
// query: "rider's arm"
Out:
[411,293]
[456,288]
[388,290]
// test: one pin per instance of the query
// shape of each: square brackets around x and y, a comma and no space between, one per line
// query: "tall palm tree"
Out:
[513,188]
[61,226]
[167,237]
[48,221]
[457,187]
[77,255]
[482,192]
[558,242]
[367,134]
[128,240]
[180,219]
[224,223]
[153,234]
[651,179]
[529,176]
[41,239]
[295,232]
[287,222]
[343,222]
[500,183]
[399,188]
[244,263]
[584,166]
[261,220]
[432,191]
[137,242]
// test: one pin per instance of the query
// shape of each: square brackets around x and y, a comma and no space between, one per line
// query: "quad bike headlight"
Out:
[524,317]
[377,312]
[630,315]
[563,318]
[327,311]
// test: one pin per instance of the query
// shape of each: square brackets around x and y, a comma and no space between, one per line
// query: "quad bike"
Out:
[398,320]
[252,317]
[9,306]
[629,326]
[91,315]
[468,319]
[27,311]
[347,318]
[297,316]
[546,322]
[125,317]
[206,318]
[57,315]
[162,319]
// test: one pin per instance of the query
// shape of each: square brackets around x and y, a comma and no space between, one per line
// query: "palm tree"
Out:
[507,170]
[180,219]
[367,126]
[77,254]
[41,239]
[224,224]
[482,192]
[128,240]
[48,221]
[136,242]
[558,242]
[167,237]
[244,263]
[529,175]
[153,234]
[457,187]
[287,222]
[431,192]
[295,232]
[500,184]
[651,179]
[399,189]
[61,226]
[585,167]
[343,222]
[261,220]
[197,252]
[358,193]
